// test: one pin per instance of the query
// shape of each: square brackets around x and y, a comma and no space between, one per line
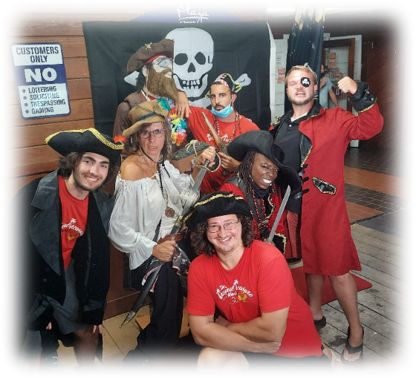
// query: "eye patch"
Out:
[305,82]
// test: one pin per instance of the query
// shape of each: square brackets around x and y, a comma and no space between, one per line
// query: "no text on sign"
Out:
[41,80]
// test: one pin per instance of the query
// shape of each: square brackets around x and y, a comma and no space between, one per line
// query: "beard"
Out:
[301,101]
[160,85]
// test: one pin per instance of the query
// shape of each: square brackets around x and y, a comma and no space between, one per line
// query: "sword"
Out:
[180,259]
[218,141]
[279,213]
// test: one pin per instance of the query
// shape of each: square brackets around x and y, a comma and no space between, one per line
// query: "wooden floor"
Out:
[384,308]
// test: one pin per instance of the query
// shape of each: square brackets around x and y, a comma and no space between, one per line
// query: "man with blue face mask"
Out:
[226,121]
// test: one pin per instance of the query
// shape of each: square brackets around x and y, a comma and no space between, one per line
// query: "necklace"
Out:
[169,212]
[236,125]
[261,214]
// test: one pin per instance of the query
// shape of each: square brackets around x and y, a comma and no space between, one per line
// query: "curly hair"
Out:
[68,163]
[134,144]
[201,245]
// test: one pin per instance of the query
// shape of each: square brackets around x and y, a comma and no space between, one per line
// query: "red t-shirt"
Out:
[74,220]
[261,282]
[213,181]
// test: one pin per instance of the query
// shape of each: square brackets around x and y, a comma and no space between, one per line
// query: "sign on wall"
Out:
[187,13]
[41,80]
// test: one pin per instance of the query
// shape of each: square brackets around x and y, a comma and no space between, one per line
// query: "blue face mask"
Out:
[224,112]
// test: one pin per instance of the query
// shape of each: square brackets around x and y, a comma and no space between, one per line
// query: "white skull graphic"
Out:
[193,59]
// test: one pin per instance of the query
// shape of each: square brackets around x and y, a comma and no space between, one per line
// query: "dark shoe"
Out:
[350,349]
[137,362]
[50,361]
[93,372]
[320,322]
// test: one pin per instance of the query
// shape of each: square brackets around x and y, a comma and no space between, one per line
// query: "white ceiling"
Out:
[287,8]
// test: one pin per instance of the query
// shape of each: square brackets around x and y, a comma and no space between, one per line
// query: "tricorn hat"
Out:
[262,142]
[218,203]
[148,51]
[87,140]
[227,80]
[145,112]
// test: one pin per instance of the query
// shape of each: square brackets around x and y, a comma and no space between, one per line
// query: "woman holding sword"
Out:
[150,195]
[263,181]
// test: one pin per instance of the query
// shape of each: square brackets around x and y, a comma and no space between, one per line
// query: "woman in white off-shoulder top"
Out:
[150,195]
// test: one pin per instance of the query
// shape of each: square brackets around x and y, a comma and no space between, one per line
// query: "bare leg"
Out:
[85,346]
[30,369]
[215,359]
[346,291]
[335,361]
[315,284]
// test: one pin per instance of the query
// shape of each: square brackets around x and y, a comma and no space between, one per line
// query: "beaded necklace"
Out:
[236,125]
[261,213]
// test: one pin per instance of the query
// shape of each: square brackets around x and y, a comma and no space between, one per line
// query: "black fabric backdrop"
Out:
[305,42]
[239,47]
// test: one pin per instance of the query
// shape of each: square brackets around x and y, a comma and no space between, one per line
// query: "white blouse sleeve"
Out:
[131,231]
[181,181]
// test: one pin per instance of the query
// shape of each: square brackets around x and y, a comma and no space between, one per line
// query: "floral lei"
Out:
[177,125]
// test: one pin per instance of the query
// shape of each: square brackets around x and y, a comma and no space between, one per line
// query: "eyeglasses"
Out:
[156,133]
[215,228]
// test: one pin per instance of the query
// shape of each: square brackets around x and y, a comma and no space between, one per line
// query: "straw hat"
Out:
[145,112]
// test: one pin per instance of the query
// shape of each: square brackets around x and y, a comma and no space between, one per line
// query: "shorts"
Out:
[265,361]
[66,316]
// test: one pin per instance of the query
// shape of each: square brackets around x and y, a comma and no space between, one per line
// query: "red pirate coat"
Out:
[326,241]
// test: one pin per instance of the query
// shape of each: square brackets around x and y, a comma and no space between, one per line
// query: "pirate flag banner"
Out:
[305,41]
[201,53]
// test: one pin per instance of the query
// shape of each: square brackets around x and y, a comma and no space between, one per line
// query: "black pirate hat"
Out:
[262,142]
[227,80]
[218,203]
[87,140]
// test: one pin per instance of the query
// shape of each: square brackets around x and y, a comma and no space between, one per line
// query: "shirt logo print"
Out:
[72,230]
[236,293]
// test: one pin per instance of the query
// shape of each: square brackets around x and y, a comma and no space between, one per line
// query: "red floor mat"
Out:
[328,294]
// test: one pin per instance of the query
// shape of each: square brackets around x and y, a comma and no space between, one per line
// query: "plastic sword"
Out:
[155,264]
[279,213]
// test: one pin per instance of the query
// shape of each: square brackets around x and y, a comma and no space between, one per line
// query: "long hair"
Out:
[135,145]
[68,163]
[201,245]
[245,168]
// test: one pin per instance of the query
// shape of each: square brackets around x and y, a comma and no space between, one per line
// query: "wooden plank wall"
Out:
[29,156]
[25,155]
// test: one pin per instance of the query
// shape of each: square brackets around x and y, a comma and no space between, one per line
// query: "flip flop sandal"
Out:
[350,349]
[320,322]
[341,370]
